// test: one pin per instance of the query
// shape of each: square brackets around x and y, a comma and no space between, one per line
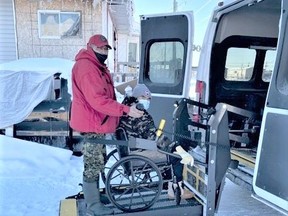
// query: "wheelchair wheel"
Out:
[110,159]
[134,183]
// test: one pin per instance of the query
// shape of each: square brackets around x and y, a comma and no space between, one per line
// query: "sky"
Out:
[202,10]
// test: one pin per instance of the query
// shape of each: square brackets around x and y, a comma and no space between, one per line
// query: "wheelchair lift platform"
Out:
[163,206]
[207,183]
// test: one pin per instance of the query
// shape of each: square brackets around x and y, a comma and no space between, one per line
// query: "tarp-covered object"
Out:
[25,83]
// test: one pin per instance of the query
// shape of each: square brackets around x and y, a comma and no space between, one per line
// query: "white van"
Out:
[243,51]
[243,64]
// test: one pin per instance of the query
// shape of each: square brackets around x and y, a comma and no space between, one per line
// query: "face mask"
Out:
[101,58]
[145,103]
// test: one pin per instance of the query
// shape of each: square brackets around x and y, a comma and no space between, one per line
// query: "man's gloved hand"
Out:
[186,157]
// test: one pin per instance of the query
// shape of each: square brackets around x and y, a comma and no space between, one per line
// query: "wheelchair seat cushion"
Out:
[157,157]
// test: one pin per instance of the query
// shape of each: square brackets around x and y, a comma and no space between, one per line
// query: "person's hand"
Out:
[134,112]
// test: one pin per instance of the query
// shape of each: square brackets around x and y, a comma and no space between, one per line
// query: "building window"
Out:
[56,24]
[132,52]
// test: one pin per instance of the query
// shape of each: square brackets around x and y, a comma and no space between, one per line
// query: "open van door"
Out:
[166,61]
[271,167]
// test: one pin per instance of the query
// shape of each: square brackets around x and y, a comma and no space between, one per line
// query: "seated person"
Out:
[144,128]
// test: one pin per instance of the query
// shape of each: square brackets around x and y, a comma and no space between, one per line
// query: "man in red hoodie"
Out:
[94,113]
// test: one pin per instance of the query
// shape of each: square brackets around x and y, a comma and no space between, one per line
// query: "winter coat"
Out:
[94,106]
[142,127]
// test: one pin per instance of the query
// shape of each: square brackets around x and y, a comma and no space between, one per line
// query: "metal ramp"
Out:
[163,206]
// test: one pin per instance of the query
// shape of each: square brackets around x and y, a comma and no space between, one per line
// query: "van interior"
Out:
[242,62]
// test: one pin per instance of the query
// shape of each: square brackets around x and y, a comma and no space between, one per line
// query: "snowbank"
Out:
[35,177]
[29,159]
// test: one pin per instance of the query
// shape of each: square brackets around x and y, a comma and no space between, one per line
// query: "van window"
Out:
[166,62]
[268,65]
[239,64]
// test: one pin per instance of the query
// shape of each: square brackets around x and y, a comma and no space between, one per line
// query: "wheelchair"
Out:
[135,180]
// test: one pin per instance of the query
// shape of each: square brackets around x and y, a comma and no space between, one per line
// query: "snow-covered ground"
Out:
[35,177]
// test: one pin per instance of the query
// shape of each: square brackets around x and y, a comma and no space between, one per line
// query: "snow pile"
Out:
[42,161]
[35,177]
[51,65]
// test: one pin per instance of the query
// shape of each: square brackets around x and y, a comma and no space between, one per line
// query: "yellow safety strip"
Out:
[68,207]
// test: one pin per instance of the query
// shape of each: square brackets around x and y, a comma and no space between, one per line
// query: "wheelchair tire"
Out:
[134,183]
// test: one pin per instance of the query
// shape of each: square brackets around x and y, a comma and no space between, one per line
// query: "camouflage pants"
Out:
[93,157]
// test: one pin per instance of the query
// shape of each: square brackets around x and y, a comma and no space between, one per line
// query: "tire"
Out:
[134,183]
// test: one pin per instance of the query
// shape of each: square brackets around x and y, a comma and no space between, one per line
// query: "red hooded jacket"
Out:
[94,105]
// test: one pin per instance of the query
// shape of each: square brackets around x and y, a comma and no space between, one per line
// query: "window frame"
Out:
[58,13]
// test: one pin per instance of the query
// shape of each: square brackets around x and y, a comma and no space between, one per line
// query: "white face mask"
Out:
[145,103]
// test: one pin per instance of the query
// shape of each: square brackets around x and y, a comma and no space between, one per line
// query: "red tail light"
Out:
[199,86]
[200,98]
[200,91]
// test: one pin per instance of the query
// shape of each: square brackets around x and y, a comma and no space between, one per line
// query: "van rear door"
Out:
[271,167]
[166,61]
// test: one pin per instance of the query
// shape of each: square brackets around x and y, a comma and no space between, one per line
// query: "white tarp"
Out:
[25,83]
